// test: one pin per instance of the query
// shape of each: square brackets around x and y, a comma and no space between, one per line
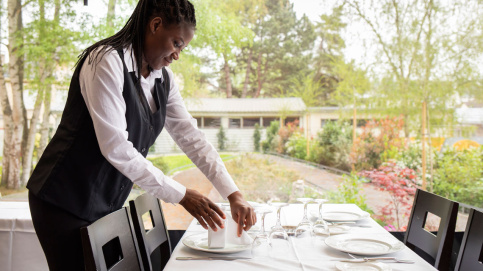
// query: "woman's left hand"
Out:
[242,212]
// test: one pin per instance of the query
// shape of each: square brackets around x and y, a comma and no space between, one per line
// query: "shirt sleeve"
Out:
[102,86]
[183,129]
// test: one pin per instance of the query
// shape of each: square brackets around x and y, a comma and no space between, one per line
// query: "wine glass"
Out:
[320,226]
[278,235]
[304,228]
[261,244]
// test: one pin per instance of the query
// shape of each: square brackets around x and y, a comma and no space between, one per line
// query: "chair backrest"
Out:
[154,244]
[109,243]
[437,246]
[471,252]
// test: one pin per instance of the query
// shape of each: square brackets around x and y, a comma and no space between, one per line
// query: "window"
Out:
[198,121]
[268,120]
[250,122]
[323,122]
[234,123]
[293,120]
[212,122]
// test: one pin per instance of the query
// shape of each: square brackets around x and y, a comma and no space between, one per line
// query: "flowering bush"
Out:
[401,183]
[377,137]
[285,132]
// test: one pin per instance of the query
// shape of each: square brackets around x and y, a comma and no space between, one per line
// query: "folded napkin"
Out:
[231,233]
[227,235]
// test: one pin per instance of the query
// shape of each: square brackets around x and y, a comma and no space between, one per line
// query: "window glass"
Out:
[198,121]
[268,120]
[250,122]
[234,123]
[212,122]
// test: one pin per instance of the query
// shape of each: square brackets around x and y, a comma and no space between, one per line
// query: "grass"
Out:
[172,163]
[261,180]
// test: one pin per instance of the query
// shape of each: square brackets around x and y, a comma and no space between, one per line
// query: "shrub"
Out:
[256,137]
[221,138]
[284,133]
[296,146]
[459,176]
[401,183]
[272,131]
[332,147]
[377,137]
[349,192]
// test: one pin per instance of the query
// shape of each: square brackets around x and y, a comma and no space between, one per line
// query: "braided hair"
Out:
[170,11]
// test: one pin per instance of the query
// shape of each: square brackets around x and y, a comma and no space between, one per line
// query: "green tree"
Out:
[256,137]
[221,135]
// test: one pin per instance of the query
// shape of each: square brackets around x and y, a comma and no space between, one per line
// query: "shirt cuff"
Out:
[177,193]
[225,185]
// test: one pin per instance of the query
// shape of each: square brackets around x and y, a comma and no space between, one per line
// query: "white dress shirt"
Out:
[102,86]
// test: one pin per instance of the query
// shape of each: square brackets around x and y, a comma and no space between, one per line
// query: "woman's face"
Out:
[163,44]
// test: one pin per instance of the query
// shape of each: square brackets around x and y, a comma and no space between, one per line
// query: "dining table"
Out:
[19,246]
[302,254]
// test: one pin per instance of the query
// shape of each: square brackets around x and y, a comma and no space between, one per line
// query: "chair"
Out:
[471,251]
[434,248]
[154,244]
[109,243]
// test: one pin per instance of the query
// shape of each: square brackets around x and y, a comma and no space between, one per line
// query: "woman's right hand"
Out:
[203,209]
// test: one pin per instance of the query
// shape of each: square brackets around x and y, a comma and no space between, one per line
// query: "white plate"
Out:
[338,229]
[200,242]
[343,216]
[366,245]
[368,266]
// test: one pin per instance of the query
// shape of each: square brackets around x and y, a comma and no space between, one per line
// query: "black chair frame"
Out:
[471,252]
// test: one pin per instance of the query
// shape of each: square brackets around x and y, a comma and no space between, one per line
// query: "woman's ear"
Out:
[155,24]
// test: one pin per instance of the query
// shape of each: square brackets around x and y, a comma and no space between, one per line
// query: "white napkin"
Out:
[231,233]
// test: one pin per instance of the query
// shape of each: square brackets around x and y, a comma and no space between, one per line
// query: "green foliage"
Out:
[333,145]
[272,132]
[296,146]
[378,138]
[221,138]
[349,191]
[459,176]
[257,137]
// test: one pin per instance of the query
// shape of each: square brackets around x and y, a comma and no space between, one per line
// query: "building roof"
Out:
[245,105]
[467,115]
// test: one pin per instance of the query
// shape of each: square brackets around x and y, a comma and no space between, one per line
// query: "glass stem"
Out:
[305,211]
[279,223]
[320,211]
[263,224]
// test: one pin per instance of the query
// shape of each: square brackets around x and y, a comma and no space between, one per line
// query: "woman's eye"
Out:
[176,44]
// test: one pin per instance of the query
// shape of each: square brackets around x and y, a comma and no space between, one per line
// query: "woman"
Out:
[120,98]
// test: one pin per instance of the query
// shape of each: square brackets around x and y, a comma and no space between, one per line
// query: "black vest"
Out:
[72,172]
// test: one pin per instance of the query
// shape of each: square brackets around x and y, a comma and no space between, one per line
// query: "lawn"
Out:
[172,163]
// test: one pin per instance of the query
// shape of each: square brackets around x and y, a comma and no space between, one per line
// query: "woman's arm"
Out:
[182,128]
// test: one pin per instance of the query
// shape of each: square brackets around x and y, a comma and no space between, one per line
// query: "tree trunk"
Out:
[247,75]
[31,132]
[15,68]
[7,125]
[259,75]
[227,77]
[111,9]
[44,129]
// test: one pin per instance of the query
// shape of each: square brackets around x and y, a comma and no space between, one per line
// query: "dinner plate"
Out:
[345,216]
[367,266]
[200,242]
[366,245]
[338,229]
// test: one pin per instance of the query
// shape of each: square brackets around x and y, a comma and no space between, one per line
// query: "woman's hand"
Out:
[203,209]
[242,212]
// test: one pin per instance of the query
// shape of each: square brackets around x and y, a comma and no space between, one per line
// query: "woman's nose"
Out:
[175,55]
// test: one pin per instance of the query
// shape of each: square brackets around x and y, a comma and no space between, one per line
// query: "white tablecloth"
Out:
[316,256]
[19,247]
